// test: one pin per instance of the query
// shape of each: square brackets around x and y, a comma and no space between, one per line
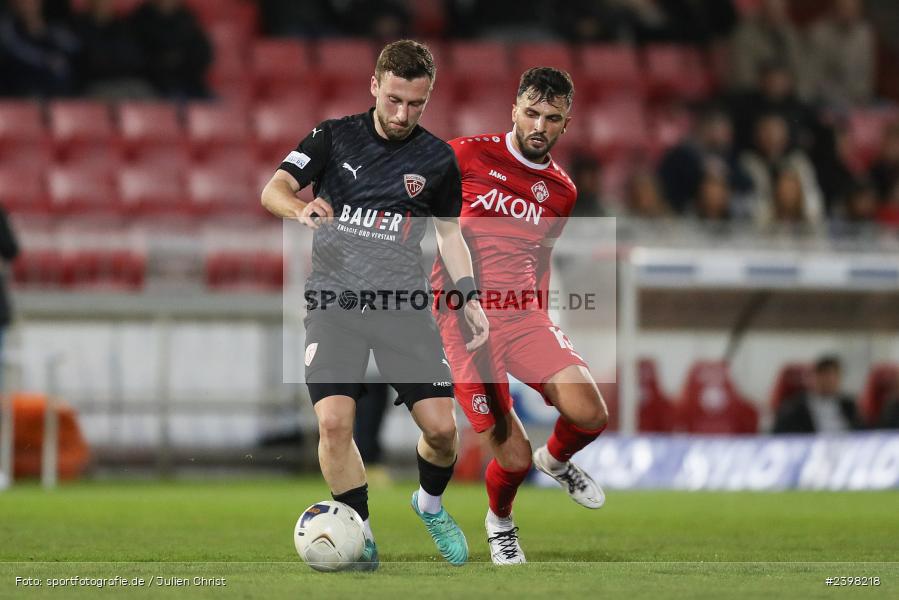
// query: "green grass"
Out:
[641,544]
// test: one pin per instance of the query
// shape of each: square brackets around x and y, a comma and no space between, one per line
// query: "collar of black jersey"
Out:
[392,144]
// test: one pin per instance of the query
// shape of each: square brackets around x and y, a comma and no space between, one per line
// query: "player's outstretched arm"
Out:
[279,198]
[457,258]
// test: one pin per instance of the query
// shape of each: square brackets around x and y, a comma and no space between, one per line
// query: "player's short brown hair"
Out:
[407,59]
[546,83]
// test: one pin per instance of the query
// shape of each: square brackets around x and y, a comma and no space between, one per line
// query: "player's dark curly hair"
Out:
[407,59]
[546,83]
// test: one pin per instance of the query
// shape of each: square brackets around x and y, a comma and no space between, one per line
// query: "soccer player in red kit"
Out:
[512,176]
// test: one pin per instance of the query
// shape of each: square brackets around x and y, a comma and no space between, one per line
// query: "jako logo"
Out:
[371,218]
[497,174]
[517,207]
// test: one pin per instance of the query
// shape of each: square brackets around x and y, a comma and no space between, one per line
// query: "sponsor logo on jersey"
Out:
[480,404]
[443,383]
[298,159]
[371,218]
[310,353]
[497,174]
[541,192]
[351,169]
[414,184]
[506,204]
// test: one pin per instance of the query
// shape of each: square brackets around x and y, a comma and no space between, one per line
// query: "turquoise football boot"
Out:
[369,560]
[446,534]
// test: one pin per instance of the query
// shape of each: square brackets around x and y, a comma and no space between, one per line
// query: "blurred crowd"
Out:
[769,147]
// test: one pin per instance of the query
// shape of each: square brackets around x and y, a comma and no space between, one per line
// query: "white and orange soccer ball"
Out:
[328,536]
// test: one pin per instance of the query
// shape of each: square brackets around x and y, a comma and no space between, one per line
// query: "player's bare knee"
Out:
[334,428]
[441,437]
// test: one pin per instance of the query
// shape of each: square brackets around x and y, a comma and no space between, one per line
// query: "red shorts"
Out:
[527,345]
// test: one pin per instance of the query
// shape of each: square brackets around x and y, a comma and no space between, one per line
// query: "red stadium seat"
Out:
[656,412]
[225,192]
[150,129]
[151,190]
[609,70]
[278,65]
[559,56]
[22,190]
[83,131]
[438,116]
[228,73]
[24,140]
[279,127]
[82,190]
[866,127]
[38,268]
[216,129]
[230,270]
[883,381]
[792,379]
[617,128]
[676,71]
[345,64]
[113,269]
[476,118]
[711,404]
[473,64]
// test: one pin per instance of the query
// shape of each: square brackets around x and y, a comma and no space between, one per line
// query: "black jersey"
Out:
[377,188]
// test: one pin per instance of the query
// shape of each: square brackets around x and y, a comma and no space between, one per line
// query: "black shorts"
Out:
[407,347]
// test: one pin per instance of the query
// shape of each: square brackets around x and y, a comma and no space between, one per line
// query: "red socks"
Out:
[502,486]
[568,438]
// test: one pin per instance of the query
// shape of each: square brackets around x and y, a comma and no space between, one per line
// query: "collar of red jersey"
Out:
[520,157]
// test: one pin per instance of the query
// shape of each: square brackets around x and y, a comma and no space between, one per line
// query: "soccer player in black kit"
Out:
[376,175]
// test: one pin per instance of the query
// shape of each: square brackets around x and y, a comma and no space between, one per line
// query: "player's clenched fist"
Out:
[315,214]
[477,321]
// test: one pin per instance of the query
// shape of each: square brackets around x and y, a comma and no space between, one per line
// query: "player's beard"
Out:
[392,134]
[536,156]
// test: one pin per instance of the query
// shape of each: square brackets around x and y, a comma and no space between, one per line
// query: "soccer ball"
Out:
[328,536]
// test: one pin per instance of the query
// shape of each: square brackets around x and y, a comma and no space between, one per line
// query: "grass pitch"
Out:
[641,544]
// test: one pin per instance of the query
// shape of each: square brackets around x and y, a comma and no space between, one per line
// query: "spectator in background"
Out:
[768,37]
[842,56]
[9,249]
[835,165]
[859,205]
[587,177]
[701,22]
[585,21]
[110,62]
[176,50]
[710,146]
[888,213]
[788,205]
[644,199]
[821,409]
[885,170]
[312,18]
[36,56]
[770,157]
[712,203]
[889,414]
[383,21]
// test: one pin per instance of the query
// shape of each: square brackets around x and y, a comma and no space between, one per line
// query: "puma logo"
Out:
[351,169]
[315,130]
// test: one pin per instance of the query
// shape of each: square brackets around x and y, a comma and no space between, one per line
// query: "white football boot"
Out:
[502,537]
[571,477]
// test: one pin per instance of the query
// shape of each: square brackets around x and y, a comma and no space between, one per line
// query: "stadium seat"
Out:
[883,380]
[113,269]
[525,56]
[228,74]
[149,129]
[224,191]
[438,116]
[83,131]
[23,137]
[710,402]
[792,379]
[279,126]
[152,191]
[866,127]
[608,70]
[82,190]
[656,412]
[617,128]
[477,118]
[674,71]
[254,270]
[216,129]
[280,64]
[38,268]
[22,190]
[346,65]
[474,64]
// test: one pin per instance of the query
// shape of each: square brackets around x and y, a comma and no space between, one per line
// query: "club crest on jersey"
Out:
[479,404]
[310,353]
[414,184]
[541,192]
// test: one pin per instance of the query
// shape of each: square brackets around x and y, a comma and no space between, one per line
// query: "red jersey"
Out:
[532,200]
